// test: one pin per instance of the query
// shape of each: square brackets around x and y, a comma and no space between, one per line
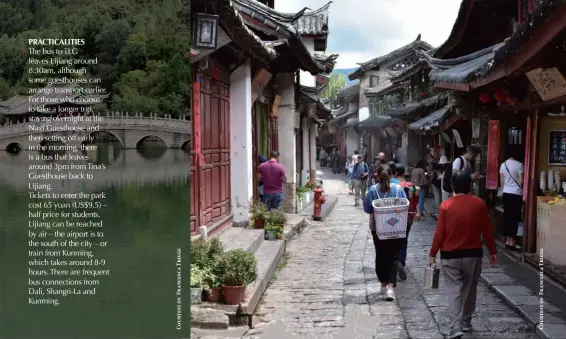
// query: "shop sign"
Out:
[493,155]
[557,147]
[549,83]
[260,80]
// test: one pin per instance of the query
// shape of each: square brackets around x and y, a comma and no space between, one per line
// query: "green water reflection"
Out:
[145,221]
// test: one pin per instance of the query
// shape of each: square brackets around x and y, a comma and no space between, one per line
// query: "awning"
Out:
[432,120]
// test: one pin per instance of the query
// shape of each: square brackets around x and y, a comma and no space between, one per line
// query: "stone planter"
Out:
[306,199]
[196,295]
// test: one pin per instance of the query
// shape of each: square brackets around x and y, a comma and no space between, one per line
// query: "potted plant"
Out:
[277,218]
[258,212]
[214,291]
[271,231]
[197,278]
[239,268]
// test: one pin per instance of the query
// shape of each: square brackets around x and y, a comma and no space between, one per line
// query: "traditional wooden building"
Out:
[344,120]
[515,89]
[374,81]
[244,103]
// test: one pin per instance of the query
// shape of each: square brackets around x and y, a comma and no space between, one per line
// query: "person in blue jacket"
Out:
[387,250]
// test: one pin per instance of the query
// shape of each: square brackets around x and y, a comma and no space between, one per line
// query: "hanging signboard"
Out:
[527,161]
[557,147]
[260,80]
[493,155]
[549,83]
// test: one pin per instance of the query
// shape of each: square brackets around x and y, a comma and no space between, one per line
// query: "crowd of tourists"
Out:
[462,220]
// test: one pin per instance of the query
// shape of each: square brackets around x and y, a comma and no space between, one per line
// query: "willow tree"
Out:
[335,84]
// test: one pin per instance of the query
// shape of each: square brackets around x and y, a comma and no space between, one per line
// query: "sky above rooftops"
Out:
[361,30]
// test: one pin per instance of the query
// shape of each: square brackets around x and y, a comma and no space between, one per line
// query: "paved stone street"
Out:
[329,274]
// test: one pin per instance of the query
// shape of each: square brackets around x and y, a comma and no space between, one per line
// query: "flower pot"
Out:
[196,295]
[233,295]
[259,222]
[270,235]
[213,295]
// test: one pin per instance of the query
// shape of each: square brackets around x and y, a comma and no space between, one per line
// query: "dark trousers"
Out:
[403,251]
[386,256]
[512,213]
[273,200]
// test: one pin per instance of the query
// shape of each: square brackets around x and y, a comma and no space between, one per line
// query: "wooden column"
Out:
[197,159]
[529,236]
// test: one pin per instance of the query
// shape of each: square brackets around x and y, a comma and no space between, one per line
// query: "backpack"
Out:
[447,181]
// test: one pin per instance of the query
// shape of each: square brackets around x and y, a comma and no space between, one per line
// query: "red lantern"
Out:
[499,96]
[485,98]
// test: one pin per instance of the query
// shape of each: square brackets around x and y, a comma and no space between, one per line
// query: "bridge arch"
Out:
[153,138]
[186,145]
[111,134]
[13,148]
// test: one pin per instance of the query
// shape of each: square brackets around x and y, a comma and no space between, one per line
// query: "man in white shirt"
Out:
[462,163]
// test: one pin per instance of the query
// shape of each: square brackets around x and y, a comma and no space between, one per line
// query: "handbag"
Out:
[391,216]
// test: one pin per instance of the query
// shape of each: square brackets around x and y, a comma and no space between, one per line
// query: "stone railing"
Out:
[112,120]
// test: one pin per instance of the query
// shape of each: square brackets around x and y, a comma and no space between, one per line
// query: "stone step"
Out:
[221,316]
[248,239]
[327,207]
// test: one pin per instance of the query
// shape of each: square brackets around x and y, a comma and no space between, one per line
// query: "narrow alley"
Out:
[329,276]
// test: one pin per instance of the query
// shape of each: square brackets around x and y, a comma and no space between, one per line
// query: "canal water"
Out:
[145,220]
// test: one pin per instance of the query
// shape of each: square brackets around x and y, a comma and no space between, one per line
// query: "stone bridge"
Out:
[128,168]
[130,131]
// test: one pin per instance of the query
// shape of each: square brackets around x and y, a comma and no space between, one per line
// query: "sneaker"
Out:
[401,271]
[382,289]
[389,295]
[467,328]
[455,334]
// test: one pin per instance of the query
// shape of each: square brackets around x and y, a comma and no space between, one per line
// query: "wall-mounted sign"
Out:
[549,83]
[260,80]
[557,147]
[493,155]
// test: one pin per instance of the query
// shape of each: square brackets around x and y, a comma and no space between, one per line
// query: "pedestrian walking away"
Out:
[445,168]
[462,222]
[386,250]
[412,195]
[323,156]
[360,173]
[352,160]
[419,177]
[511,175]
[272,174]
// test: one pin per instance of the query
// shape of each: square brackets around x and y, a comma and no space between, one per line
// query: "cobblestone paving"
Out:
[330,269]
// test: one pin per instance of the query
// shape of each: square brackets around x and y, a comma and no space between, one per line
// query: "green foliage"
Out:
[239,267]
[141,47]
[203,278]
[258,210]
[276,217]
[336,83]
[204,254]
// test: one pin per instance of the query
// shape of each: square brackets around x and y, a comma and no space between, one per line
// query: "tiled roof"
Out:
[230,17]
[344,115]
[349,91]
[377,121]
[407,72]
[409,108]
[312,94]
[464,68]
[283,24]
[418,44]
[457,30]
[383,88]
[432,120]
[314,22]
